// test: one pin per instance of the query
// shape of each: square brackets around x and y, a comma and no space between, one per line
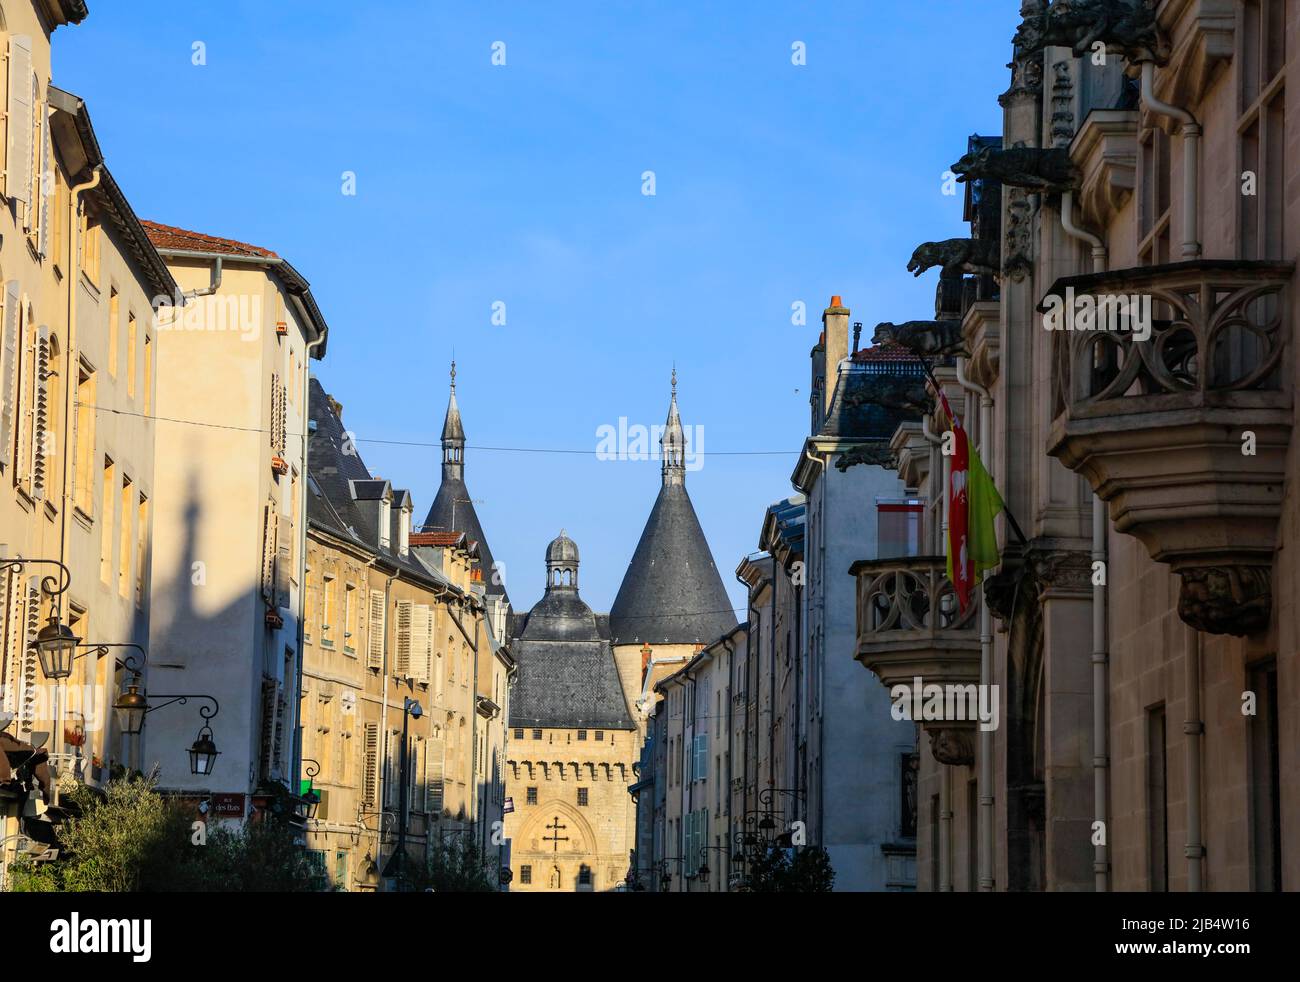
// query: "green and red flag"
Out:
[973,504]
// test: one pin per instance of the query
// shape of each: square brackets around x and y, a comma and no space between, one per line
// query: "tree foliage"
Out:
[134,840]
[803,870]
[457,866]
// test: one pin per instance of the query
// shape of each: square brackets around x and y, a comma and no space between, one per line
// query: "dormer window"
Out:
[404,532]
[385,522]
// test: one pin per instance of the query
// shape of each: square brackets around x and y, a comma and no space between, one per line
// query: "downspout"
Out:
[1100,652]
[984,779]
[731,832]
[302,551]
[69,401]
[1194,730]
[379,764]
[945,781]
[820,839]
[1191,134]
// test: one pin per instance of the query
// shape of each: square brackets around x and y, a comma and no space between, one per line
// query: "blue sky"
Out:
[478,183]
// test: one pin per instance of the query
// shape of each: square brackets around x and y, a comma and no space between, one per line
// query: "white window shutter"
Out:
[375,647]
[28,682]
[41,412]
[27,355]
[18,148]
[283,560]
[421,642]
[433,785]
[45,199]
[404,615]
[270,528]
[9,369]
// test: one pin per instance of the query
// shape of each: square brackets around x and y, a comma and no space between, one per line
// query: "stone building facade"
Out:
[1141,633]
[574,742]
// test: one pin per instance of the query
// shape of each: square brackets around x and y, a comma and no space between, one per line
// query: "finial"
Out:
[561,533]
[674,379]
[453,373]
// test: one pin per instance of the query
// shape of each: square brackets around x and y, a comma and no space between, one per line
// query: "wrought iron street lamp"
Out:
[310,801]
[133,706]
[55,642]
[203,754]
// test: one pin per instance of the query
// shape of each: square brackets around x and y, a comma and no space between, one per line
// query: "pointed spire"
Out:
[673,443]
[453,434]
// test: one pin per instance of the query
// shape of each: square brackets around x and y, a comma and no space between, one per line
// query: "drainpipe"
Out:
[302,551]
[1100,651]
[1194,729]
[731,832]
[985,776]
[821,653]
[945,790]
[1191,133]
[69,401]
[383,744]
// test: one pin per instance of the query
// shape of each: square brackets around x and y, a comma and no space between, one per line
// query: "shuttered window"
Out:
[9,347]
[370,776]
[422,643]
[403,667]
[40,414]
[18,145]
[270,528]
[375,649]
[433,785]
[283,560]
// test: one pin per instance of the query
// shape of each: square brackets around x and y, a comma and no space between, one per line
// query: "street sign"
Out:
[227,806]
[508,807]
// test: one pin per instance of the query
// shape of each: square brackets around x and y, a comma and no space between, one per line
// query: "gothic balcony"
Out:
[1184,432]
[910,626]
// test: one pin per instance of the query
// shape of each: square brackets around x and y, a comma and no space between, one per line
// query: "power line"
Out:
[420,443]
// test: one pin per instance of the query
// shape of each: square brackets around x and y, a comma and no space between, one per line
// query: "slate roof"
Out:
[331,507]
[851,419]
[568,684]
[672,592]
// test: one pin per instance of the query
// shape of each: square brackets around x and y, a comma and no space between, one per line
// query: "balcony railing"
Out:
[910,626]
[1180,420]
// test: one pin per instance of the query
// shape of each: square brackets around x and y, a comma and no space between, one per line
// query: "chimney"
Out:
[835,324]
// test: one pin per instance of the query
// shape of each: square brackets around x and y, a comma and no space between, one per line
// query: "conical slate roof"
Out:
[453,508]
[672,592]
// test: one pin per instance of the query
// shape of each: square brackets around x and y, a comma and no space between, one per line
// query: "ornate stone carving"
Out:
[1185,433]
[1000,591]
[1105,150]
[903,392]
[928,338]
[1226,600]
[1019,260]
[1061,572]
[953,745]
[1126,27]
[1033,168]
[1026,81]
[1062,105]
[866,453]
[956,256]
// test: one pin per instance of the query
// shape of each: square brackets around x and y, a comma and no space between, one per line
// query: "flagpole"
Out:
[1006,509]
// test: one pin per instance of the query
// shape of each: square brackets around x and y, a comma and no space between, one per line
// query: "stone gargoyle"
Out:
[905,393]
[1125,26]
[929,339]
[877,454]
[957,256]
[1032,168]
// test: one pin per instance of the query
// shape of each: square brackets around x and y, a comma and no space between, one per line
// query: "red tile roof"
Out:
[436,538]
[170,237]
[888,351]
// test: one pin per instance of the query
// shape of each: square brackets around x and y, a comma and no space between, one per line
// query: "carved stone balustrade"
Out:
[910,626]
[1185,433]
